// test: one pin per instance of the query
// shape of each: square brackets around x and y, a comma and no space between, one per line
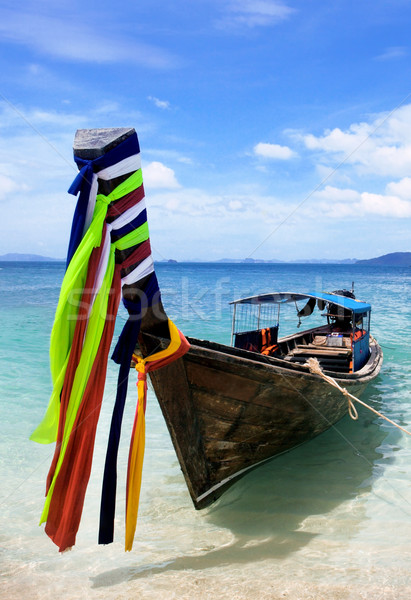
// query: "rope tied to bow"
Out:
[315,368]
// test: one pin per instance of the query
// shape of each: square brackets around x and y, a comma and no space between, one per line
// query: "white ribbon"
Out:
[128,216]
[127,165]
[141,270]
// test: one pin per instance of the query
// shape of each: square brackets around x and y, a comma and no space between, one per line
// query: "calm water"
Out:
[331,519]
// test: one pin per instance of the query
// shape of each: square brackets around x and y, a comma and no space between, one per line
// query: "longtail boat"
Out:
[229,408]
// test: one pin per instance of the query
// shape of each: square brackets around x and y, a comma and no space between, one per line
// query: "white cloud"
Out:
[9,186]
[331,174]
[183,202]
[157,175]
[273,151]
[91,39]
[17,119]
[235,205]
[167,155]
[163,104]
[36,169]
[216,216]
[381,147]
[347,203]
[336,195]
[185,160]
[401,188]
[254,13]
[218,208]
[386,206]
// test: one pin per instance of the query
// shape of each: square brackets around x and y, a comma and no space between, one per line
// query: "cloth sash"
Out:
[80,343]
[177,347]
[121,160]
[66,317]
[122,355]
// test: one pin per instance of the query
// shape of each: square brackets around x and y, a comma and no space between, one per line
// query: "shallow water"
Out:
[331,519]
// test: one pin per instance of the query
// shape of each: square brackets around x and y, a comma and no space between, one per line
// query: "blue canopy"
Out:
[355,306]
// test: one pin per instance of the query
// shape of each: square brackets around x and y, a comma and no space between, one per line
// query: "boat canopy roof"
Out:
[355,306]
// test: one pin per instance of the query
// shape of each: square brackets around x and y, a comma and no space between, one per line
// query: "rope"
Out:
[314,366]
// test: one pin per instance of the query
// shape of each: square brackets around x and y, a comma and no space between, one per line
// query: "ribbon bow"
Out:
[121,160]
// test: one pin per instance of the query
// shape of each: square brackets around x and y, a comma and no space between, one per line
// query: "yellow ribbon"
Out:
[136,456]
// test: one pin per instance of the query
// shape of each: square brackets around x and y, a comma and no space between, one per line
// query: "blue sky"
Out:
[268,129]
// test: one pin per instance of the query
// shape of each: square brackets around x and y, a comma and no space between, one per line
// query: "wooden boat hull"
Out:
[229,410]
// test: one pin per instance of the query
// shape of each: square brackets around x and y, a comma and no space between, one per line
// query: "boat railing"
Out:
[253,317]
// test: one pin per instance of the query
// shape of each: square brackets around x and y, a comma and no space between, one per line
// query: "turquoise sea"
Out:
[331,519]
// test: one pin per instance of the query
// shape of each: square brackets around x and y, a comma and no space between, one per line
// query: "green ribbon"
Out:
[67,309]
[63,329]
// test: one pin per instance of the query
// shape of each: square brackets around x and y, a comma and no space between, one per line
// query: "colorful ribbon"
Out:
[121,160]
[122,355]
[83,330]
[70,300]
[177,347]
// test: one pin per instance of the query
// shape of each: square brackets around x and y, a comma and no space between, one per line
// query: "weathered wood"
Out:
[236,409]
[320,352]
[90,144]
[330,349]
[182,421]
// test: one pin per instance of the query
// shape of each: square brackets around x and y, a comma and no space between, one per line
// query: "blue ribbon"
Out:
[122,355]
[82,185]
[131,226]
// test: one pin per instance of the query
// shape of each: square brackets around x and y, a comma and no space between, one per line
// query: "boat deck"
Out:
[331,358]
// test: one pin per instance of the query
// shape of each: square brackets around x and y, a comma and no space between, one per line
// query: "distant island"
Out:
[303,261]
[16,257]
[394,259]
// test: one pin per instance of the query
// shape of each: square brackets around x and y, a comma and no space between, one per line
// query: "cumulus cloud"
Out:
[401,188]
[384,205]
[342,203]
[366,151]
[335,195]
[381,147]
[157,175]
[273,151]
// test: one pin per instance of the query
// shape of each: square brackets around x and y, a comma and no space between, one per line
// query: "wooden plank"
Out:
[229,385]
[172,390]
[227,408]
[320,352]
[324,347]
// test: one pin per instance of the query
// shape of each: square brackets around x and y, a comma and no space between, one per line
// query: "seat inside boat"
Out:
[332,350]
[258,340]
